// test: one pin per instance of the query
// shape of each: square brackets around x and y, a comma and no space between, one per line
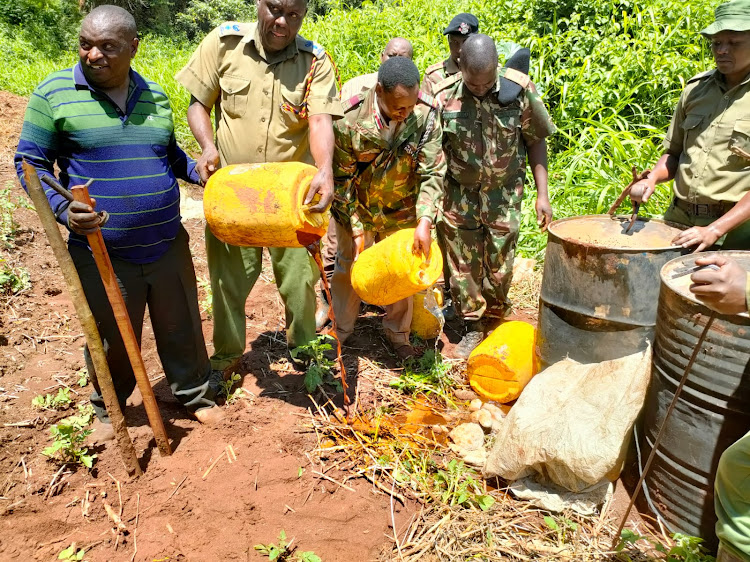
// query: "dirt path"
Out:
[179,515]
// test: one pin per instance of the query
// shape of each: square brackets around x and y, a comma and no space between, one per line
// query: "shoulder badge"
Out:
[702,76]
[447,82]
[434,67]
[516,76]
[353,102]
[311,47]
[233,28]
[427,99]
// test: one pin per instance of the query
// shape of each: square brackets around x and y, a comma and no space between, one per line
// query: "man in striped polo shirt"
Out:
[101,120]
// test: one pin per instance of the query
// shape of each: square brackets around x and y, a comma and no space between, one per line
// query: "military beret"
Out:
[462,24]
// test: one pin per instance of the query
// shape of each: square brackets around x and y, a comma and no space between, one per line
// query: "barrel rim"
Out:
[621,249]
[691,257]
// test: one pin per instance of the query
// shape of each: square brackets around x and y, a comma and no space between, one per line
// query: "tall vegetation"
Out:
[610,71]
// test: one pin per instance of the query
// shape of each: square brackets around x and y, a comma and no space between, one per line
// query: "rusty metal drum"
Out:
[600,286]
[713,410]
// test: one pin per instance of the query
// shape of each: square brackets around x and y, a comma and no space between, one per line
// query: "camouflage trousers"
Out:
[480,261]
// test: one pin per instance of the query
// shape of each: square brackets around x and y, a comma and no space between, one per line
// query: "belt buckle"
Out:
[702,209]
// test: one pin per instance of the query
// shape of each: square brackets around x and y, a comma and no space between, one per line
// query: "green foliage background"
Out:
[610,70]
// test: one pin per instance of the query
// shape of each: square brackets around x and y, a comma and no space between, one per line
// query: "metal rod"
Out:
[107,272]
[659,435]
[86,318]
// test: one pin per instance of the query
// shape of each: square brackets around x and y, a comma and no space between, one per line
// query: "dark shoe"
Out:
[321,315]
[101,433]
[215,380]
[471,339]
[405,351]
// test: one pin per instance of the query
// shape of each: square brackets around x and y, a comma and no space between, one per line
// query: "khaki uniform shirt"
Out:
[485,149]
[710,134]
[358,84]
[380,185]
[436,73]
[231,70]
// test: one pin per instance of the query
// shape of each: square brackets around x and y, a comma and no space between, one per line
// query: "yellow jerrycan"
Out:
[388,271]
[261,205]
[423,322]
[503,364]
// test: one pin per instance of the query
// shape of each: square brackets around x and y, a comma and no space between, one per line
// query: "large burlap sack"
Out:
[572,424]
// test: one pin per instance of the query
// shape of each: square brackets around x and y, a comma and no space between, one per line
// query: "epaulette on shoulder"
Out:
[427,99]
[311,47]
[352,102]
[516,76]
[446,82]
[434,67]
[702,76]
[234,28]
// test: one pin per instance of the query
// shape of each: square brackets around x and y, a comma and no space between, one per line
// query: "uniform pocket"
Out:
[234,95]
[739,142]
[293,101]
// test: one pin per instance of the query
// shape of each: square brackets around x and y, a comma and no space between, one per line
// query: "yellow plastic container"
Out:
[503,364]
[261,205]
[388,271]
[423,322]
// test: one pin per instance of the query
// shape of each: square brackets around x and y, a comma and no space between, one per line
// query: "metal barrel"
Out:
[600,287]
[713,410]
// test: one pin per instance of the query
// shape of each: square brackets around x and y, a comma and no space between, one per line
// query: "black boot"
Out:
[473,336]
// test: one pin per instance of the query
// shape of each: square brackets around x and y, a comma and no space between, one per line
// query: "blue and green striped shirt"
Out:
[133,157]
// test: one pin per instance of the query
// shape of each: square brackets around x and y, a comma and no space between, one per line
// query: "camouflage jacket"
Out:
[436,73]
[485,148]
[381,185]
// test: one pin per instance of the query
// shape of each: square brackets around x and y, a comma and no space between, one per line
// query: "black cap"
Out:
[462,24]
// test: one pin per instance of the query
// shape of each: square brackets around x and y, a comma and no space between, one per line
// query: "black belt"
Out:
[709,210]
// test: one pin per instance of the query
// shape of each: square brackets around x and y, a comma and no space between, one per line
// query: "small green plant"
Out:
[59,401]
[13,280]
[319,368]
[72,553]
[226,389]
[456,486]
[69,436]
[685,549]
[207,302]
[83,377]
[283,552]
[9,227]
[427,375]
[562,526]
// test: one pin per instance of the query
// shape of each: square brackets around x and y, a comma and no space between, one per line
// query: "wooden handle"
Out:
[86,318]
[107,272]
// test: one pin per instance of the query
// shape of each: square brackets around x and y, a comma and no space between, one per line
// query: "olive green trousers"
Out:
[737,239]
[234,271]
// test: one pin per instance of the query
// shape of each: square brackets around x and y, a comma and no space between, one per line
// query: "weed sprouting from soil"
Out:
[285,552]
[68,438]
[225,389]
[426,375]
[59,401]
[319,367]
[13,280]
[72,553]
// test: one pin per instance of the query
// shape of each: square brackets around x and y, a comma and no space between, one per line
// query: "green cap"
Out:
[730,16]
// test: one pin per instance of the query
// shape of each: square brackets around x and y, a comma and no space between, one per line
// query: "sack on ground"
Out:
[572,424]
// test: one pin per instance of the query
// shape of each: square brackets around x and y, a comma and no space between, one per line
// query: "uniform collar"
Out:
[464,91]
[253,36]
[450,66]
[373,123]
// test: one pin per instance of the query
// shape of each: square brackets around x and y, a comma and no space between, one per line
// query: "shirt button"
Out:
[726,97]
[262,119]
[260,149]
[266,92]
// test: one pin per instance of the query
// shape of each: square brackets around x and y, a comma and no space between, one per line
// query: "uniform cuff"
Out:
[324,105]
[197,88]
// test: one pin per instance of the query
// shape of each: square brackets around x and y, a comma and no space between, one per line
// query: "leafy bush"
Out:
[201,16]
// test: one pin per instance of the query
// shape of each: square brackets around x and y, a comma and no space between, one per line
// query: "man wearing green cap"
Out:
[707,147]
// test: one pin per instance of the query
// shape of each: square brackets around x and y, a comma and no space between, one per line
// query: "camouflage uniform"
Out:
[485,147]
[436,73]
[381,188]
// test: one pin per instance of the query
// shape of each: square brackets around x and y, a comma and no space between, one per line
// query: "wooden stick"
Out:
[86,318]
[213,464]
[107,272]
